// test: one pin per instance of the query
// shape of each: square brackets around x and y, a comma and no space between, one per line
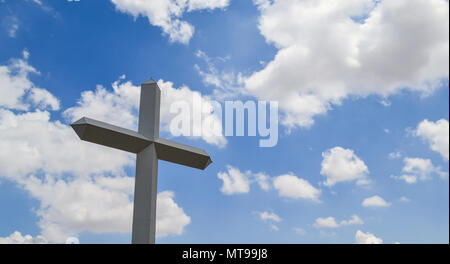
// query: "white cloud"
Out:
[227,83]
[367,238]
[15,83]
[417,169]
[375,201]
[355,220]
[99,204]
[404,199]
[420,167]
[38,2]
[332,50]
[436,135]
[13,29]
[270,218]
[263,180]
[207,4]
[395,155]
[25,54]
[330,222]
[267,216]
[79,186]
[52,147]
[386,103]
[17,90]
[11,24]
[70,207]
[17,238]
[170,218]
[166,14]
[341,165]
[94,203]
[43,99]
[120,107]
[410,179]
[210,124]
[234,181]
[291,186]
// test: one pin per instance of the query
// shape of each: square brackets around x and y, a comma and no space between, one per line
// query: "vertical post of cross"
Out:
[146,182]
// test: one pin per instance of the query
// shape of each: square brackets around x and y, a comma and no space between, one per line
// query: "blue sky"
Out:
[363,107]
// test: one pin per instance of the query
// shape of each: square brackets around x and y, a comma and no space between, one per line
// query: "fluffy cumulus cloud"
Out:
[421,168]
[332,50]
[436,135]
[52,147]
[118,107]
[375,201]
[170,218]
[80,186]
[237,182]
[84,204]
[87,203]
[342,165]
[18,238]
[98,204]
[206,4]
[418,169]
[355,220]
[291,186]
[203,122]
[167,14]
[367,238]
[330,222]
[269,216]
[234,181]
[263,180]
[17,91]
[121,105]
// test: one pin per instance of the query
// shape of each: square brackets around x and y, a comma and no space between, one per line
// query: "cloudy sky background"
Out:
[363,91]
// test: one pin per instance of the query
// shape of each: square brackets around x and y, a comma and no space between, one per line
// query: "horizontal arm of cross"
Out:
[128,140]
[181,154]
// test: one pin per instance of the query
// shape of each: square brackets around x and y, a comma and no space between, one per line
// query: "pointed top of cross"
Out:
[150,81]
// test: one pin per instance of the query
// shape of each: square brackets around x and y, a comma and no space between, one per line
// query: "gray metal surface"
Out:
[182,154]
[149,148]
[111,136]
[145,192]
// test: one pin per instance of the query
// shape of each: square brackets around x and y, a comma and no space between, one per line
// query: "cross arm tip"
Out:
[80,121]
[79,127]
[182,154]
[209,162]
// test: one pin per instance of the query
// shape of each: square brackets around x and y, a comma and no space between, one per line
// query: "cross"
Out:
[149,148]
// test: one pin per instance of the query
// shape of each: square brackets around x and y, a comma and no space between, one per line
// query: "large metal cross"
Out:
[149,148]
